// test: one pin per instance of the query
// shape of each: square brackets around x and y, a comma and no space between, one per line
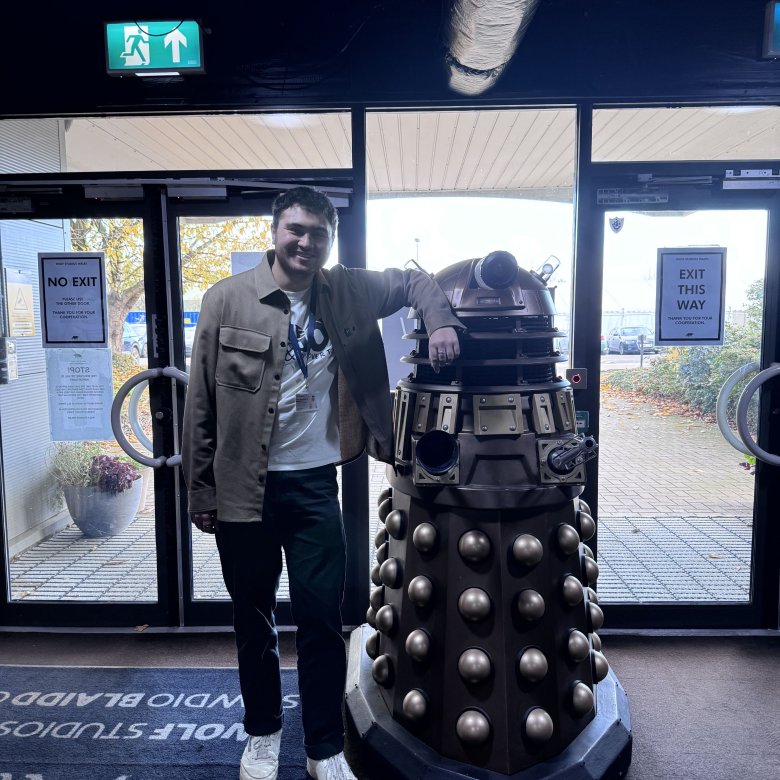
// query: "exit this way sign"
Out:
[153,48]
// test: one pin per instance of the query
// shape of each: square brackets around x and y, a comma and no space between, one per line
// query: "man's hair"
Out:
[309,199]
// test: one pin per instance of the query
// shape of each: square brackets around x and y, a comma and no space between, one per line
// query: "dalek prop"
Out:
[480,656]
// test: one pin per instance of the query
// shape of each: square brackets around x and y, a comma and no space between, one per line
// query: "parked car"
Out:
[189,338]
[627,340]
[134,340]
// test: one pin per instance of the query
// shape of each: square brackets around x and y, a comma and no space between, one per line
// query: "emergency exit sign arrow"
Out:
[174,40]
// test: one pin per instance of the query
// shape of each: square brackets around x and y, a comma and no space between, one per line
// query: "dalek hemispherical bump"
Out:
[587,525]
[530,604]
[382,671]
[382,553]
[527,550]
[539,725]
[375,578]
[600,665]
[532,665]
[474,546]
[595,640]
[474,665]
[568,538]
[584,507]
[377,597]
[592,595]
[418,645]
[474,604]
[380,537]
[415,705]
[372,646]
[371,617]
[384,494]
[473,728]
[396,524]
[586,551]
[591,570]
[572,590]
[596,616]
[384,509]
[386,619]
[578,646]
[420,591]
[424,537]
[390,573]
[581,699]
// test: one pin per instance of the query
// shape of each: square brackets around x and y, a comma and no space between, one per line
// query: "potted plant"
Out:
[102,492]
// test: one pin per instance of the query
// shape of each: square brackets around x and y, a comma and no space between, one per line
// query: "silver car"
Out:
[631,339]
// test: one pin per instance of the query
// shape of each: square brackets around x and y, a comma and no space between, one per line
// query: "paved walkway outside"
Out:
[675,525]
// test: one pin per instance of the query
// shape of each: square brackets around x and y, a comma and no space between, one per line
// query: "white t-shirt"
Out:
[306,433]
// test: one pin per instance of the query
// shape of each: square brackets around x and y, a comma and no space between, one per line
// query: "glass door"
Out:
[82,543]
[214,239]
[683,516]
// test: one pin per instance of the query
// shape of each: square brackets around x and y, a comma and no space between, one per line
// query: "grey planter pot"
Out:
[97,513]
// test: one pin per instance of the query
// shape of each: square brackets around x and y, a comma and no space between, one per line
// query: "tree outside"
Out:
[205,247]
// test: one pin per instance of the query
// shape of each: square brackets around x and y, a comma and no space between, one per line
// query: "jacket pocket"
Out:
[242,358]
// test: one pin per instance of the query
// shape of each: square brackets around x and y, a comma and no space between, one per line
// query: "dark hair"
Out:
[309,199]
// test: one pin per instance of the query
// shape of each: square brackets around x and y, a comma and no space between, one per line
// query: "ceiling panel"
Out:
[525,152]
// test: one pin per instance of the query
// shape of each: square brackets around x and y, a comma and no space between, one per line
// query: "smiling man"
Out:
[288,378]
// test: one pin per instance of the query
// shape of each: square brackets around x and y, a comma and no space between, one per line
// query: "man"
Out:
[288,378]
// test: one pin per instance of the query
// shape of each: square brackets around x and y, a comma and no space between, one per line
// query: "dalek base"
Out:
[602,751]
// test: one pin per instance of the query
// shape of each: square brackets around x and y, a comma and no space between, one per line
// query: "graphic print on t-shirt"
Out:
[320,347]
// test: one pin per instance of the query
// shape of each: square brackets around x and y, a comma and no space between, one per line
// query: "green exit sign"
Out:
[153,48]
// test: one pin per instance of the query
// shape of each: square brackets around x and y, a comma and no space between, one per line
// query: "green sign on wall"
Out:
[153,48]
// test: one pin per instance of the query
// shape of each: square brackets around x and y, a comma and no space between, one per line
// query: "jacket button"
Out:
[286,311]
[282,343]
[263,447]
[277,376]
[270,410]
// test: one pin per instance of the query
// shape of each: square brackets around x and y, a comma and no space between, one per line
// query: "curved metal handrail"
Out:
[116,409]
[721,407]
[742,414]
[132,414]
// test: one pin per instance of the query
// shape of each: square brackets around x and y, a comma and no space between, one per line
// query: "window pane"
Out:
[709,133]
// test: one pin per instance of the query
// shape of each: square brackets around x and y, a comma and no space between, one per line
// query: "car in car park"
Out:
[631,339]
[189,339]
[134,340]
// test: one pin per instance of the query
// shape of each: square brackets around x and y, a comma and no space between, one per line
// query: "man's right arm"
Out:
[199,433]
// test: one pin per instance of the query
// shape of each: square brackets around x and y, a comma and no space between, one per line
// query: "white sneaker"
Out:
[333,768]
[261,757]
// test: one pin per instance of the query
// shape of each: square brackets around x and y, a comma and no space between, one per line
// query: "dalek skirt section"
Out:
[481,635]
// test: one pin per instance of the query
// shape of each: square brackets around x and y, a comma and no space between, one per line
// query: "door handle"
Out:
[742,414]
[116,409]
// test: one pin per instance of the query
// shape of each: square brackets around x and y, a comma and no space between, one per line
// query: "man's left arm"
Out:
[392,289]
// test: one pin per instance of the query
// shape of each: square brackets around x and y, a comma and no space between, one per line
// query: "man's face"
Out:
[302,242]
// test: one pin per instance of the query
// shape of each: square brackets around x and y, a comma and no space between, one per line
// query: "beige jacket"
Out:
[236,369]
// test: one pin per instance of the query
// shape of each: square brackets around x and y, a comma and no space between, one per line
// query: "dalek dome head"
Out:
[495,284]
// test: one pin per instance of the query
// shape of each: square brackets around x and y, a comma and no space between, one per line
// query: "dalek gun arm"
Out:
[575,452]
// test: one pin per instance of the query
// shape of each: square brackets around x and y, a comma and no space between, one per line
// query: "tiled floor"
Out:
[641,559]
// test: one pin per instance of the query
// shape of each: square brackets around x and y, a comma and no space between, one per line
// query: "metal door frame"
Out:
[762,610]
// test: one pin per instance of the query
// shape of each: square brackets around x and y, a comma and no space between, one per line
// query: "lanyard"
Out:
[299,356]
